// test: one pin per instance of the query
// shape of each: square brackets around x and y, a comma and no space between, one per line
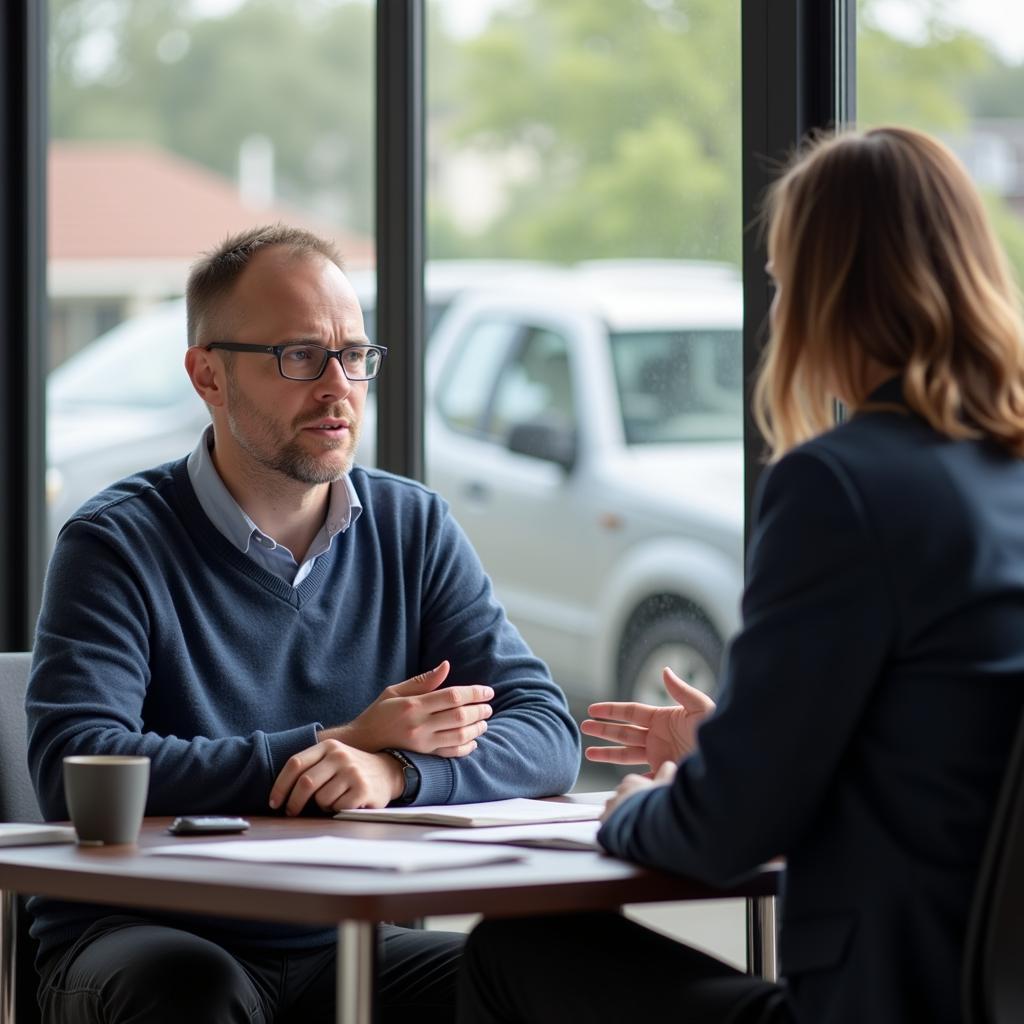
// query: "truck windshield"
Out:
[678,386]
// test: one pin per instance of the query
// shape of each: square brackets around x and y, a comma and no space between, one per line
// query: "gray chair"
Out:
[17,803]
[993,984]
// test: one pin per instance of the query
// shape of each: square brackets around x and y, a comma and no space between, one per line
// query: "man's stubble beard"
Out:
[270,450]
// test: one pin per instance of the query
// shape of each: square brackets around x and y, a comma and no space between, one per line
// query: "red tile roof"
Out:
[133,201]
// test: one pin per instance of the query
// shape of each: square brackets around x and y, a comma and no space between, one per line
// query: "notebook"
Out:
[517,811]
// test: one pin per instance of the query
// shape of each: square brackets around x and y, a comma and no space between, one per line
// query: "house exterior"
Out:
[125,221]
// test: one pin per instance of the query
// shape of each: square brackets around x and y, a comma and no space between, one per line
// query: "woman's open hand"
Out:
[645,734]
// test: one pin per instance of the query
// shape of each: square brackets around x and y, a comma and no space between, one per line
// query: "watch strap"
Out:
[410,773]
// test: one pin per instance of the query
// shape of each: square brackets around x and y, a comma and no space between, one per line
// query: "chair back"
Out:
[17,797]
[993,982]
[18,803]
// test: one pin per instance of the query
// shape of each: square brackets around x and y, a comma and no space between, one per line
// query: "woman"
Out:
[872,694]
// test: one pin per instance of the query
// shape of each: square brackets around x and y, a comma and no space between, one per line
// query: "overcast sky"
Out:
[1001,22]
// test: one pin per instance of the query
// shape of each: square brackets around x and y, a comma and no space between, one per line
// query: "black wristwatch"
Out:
[411,775]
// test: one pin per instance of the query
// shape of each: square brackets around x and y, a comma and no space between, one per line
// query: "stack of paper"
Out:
[334,851]
[558,835]
[491,812]
[17,834]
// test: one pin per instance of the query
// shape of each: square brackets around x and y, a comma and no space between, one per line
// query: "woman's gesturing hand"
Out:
[644,734]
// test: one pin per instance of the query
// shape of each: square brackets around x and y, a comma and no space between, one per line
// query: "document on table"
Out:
[335,851]
[491,812]
[557,835]
[27,834]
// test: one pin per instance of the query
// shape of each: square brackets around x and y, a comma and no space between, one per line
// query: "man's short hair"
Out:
[214,274]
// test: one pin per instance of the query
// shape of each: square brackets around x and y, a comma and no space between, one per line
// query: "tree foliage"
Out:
[629,111]
[299,72]
[922,82]
[617,122]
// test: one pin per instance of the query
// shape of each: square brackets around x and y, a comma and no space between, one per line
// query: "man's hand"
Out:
[417,715]
[635,783]
[645,734]
[337,777]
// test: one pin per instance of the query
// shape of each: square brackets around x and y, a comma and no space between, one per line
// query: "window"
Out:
[469,378]
[535,386]
[173,126]
[954,69]
[591,151]
[679,386]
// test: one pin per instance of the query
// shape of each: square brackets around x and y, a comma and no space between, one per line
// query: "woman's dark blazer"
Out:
[867,712]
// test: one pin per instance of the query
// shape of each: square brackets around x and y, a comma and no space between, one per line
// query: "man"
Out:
[246,618]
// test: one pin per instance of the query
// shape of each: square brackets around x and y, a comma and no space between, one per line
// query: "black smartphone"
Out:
[205,824]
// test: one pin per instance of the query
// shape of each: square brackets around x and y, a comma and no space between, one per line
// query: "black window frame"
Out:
[798,71]
[23,318]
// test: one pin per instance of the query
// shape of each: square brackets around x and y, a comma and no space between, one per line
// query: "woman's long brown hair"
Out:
[882,249]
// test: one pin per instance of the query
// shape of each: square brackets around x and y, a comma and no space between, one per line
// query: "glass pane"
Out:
[679,386]
[172,126]
[535,385]
[464,391]
[954,68]
[584,157]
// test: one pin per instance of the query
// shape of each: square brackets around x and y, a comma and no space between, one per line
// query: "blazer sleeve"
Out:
[818,621]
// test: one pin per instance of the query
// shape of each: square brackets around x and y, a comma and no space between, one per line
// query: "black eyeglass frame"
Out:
[329,353]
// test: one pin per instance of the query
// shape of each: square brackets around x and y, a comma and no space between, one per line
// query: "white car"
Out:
[584,423]
[124,403]
[120,405]
[588,436]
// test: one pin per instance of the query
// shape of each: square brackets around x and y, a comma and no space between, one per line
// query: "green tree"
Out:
[628,113]
[940,83]
[299,72]
[923,82]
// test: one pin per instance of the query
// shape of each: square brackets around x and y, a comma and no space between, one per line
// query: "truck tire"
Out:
[689,647]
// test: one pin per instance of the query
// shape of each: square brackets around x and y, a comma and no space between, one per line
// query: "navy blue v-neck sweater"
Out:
[158,637]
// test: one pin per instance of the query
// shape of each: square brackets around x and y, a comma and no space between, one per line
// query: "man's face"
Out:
[305,430]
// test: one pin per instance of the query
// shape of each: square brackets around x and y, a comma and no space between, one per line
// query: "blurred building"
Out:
[993,152]
[125,222]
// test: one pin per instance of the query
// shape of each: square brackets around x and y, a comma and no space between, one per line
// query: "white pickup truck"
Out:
[587,433]
[584,423]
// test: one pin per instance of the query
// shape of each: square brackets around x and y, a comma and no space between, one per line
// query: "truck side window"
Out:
[535,385]
[468,382]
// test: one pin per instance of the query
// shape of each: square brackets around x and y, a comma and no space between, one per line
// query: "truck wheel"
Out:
[689,647]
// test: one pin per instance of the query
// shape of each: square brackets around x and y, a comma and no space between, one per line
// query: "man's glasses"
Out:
[298,360]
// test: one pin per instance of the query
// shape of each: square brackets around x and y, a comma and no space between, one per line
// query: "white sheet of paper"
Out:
[556,835]
[26,834]
[335,851]
[517,811]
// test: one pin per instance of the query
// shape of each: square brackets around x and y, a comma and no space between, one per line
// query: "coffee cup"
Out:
[106,796]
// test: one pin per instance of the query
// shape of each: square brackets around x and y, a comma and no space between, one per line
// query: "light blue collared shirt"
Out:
[343,509]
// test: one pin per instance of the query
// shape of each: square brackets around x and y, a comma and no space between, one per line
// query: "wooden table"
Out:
[351,900]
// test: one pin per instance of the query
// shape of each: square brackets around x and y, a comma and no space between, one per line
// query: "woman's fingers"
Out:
[614,732]
[616,755]
[623,711]
[684,694]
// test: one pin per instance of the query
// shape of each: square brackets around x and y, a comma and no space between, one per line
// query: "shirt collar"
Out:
[887,397]
[890,390]
[343,509]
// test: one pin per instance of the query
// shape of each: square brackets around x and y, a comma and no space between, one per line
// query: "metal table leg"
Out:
[356,972]
[8,953]
[762,958]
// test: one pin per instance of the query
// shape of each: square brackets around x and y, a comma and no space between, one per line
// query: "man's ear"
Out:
[207,375]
